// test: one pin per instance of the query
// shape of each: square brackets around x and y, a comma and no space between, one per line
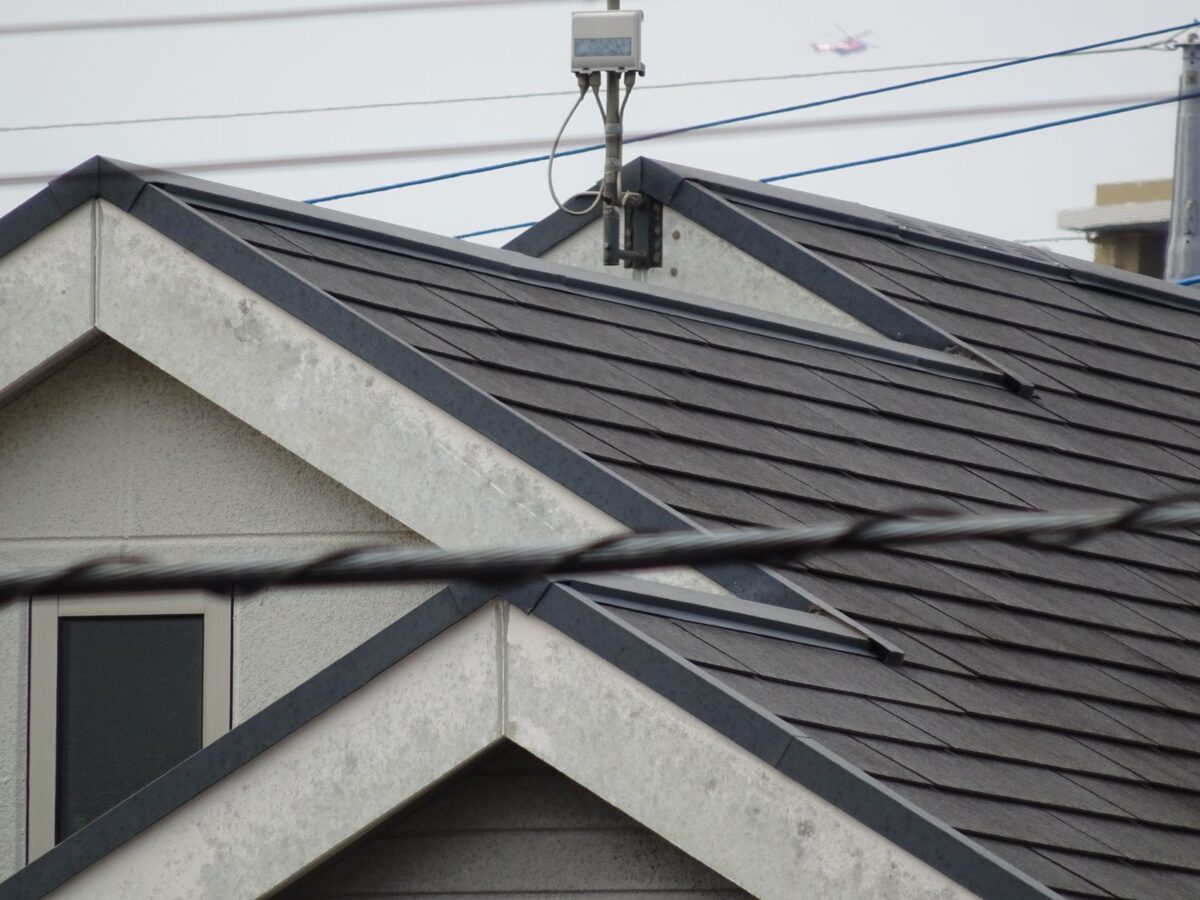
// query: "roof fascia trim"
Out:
[870,219]
[804,268]
[576,472]
[665,599]
[51,203]
[240,745]
[794,754]
[551,231]
[405,364]
[1143,287]
[824,279]
[505,264]
[911,230]
[621,291]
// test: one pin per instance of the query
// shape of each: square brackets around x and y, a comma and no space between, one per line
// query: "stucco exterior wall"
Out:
[699,262]
[111,456]
[511,825]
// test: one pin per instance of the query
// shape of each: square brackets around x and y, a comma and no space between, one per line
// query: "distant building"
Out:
[1128,224]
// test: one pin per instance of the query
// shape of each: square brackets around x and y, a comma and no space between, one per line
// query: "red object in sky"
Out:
[850,43]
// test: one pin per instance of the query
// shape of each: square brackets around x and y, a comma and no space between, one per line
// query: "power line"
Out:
[1051,240]
[524,144]
[980,139]
[471,234]
[904,154]
[486,98]
[370,565]
[731,120]
[262,15]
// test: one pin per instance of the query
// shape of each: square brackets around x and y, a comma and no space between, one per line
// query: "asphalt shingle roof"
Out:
[1048,701]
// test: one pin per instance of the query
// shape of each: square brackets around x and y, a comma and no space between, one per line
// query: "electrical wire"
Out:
[1051,240]
[524,144]
[628,90]
[583,90]
[717,123]
[471,234]
[263,15]
[980,139]
[627,552]
[904,154]
[486,98]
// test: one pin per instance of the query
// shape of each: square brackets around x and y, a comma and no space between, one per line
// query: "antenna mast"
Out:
[610,43]
[613,140]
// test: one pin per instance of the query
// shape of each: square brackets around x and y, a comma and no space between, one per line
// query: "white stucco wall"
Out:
[110,456]
[30,341]
[699,262]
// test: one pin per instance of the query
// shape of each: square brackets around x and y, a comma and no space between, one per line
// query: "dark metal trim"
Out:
[728,612]
[627,293]
[48,205]
[588,479]
[919,232]
[785,747]
[550,232]
[824,279]
[907,337]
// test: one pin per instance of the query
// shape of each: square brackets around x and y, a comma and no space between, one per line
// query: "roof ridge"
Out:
[509,264]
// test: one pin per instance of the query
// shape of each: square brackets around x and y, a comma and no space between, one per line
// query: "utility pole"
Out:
[610,190]
[1183,241]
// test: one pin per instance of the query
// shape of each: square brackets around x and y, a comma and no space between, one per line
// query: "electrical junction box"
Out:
[609,41]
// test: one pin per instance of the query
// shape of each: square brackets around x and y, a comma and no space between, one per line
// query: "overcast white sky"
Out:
[1010,189]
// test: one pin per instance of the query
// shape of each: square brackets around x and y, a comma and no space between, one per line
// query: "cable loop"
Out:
[583,89]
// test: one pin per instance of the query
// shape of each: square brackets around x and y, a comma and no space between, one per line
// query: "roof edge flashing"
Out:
[802,626]
[870,220]
[784,747]
[59,197]
[586,478]
[944,238]
[505,264]
[898,325]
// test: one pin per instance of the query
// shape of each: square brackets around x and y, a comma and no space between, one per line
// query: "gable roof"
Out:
[595,614]
[1066,672]
[1063,712]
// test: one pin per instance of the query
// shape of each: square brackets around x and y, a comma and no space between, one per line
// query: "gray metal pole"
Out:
[612,164]
[1183,242]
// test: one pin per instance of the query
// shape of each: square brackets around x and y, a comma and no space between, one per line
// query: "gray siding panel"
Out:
[512,827]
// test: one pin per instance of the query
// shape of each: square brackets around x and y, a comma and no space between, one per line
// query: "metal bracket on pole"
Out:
[643,232]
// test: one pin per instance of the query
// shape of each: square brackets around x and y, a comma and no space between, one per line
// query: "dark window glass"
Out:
[129,708]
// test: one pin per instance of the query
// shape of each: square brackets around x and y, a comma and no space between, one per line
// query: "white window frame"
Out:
[44,617]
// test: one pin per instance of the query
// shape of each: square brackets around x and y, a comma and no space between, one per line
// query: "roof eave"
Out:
[565,608]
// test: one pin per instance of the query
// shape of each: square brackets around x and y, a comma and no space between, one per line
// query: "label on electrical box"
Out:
[604,46]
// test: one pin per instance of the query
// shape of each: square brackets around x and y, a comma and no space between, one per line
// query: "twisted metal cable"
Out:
[373,565]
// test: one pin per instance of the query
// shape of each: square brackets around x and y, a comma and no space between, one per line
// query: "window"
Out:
[120,690]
